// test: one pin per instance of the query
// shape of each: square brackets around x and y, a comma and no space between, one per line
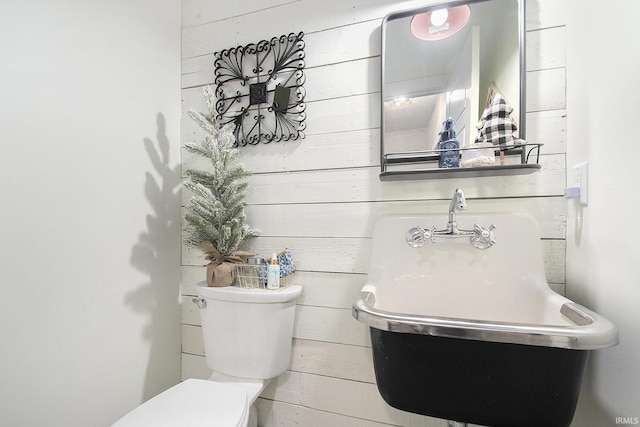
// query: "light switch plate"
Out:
[580,174]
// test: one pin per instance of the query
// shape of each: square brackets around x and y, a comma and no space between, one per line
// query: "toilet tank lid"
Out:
[193,403]
[248,295]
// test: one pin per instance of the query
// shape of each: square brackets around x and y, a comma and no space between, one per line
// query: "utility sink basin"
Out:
[469,334]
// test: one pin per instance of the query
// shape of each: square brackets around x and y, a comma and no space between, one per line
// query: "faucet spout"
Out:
[458,203]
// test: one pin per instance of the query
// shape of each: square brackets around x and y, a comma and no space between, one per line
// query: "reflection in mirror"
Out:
[432,70]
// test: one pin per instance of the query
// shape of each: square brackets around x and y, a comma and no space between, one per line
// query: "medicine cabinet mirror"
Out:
[452,68]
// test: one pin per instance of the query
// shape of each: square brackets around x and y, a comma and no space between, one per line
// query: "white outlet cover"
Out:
[581,181]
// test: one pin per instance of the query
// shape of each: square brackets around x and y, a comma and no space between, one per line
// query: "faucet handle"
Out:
[483,238]
[418,236]
[428,234]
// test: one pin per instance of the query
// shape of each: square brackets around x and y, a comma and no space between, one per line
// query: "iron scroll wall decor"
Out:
[259,88]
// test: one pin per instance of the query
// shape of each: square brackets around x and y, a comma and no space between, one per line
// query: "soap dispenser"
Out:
[449,146]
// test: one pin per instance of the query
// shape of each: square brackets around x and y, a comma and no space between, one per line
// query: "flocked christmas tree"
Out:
[216,211]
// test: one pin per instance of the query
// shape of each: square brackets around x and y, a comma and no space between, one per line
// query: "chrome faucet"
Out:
[458,203]
[481,238]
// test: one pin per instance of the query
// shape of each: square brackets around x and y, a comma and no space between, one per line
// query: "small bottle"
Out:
[273,273]
[450,155]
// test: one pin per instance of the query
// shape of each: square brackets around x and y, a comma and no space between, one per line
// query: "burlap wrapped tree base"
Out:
[221,270]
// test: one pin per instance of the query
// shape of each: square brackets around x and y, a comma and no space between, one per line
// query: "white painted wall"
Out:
[321,195]
[603,257]
[89,229]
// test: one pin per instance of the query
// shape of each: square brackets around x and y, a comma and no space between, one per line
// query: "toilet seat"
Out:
[192,403]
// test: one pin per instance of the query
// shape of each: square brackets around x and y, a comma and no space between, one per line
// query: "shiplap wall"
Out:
[320,195]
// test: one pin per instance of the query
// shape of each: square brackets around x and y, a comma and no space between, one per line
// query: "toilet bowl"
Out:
[247,335]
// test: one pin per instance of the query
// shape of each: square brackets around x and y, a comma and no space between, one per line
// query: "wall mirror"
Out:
[448,60]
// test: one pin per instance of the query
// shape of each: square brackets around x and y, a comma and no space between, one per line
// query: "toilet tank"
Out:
[247,332]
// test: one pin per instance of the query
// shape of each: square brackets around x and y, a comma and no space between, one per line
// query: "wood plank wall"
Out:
[320,196]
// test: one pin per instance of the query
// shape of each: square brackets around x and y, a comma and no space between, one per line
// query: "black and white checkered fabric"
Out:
[496,125]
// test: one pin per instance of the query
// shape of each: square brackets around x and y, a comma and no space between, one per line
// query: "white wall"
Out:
[321,195]
[89,187]
[603,257]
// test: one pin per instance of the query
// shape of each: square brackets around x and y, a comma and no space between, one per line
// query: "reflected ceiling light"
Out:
[400,101]
[439,17]
[440,23]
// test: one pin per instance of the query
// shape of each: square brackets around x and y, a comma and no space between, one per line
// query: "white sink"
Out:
[460,326]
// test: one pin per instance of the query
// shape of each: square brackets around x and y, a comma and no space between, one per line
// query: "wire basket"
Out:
[254,276]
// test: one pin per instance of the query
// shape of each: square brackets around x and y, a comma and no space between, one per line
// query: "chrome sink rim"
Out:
[586,330]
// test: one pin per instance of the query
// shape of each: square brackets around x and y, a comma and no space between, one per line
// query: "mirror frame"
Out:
[522,81]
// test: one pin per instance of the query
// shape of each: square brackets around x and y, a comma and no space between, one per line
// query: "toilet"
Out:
[247,339]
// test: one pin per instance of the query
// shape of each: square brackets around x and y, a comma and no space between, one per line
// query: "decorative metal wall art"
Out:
[259,88]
